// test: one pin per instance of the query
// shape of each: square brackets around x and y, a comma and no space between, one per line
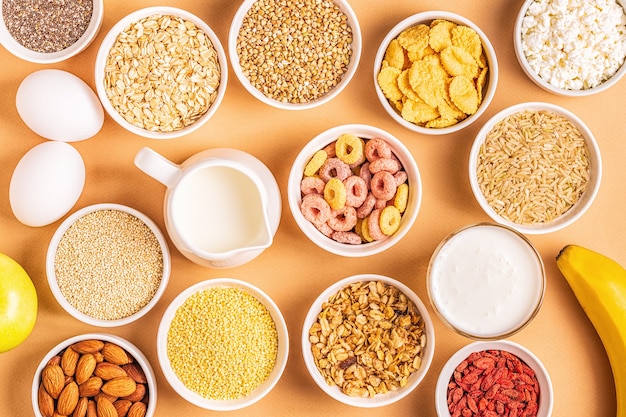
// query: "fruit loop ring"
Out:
[334,168]
[315,163]
[377,148]
[351,238]
[335,194]
[349,148]
[385,164]
[366,208]
[402,198]
[356,190]
[389,220]
[342,220]
[383,185]
[365,173]
[373,225]
[315,209]
[312,185]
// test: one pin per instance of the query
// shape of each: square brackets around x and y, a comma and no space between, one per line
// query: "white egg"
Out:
[46,183]
[58,105]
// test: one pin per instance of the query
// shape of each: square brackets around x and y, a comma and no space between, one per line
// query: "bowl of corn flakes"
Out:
[435,72]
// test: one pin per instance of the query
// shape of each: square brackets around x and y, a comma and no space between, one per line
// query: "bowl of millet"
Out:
[294,56]
[222,344]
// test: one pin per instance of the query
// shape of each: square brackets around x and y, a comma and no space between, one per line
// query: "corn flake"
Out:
[440,36]
[395,55]
[388,82]
[463,94]
[428,78]
[467,38]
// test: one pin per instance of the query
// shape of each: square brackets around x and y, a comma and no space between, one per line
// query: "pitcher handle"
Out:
[157,166]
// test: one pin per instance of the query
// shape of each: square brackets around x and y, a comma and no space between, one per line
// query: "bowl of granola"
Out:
[368,341]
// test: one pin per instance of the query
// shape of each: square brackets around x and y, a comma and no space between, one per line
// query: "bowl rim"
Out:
[368,132]
[24,53]
[129,347]
[581,206]
[546,401]
[258,393]
[109,40]
[542,83]
[383,399]
[488,49]
[494,336]
[357,41]
[51,276]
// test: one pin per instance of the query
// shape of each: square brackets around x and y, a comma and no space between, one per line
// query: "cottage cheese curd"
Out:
[574,44]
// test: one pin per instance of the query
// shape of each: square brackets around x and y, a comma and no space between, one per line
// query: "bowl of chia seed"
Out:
[107,265]
[49,31]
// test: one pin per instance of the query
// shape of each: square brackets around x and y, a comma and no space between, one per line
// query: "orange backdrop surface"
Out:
[293,271]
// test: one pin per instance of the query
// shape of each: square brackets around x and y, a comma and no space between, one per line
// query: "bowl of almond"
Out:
[94,374]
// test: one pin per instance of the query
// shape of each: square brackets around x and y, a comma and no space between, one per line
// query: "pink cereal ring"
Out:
[315,209]
[335,168]
[373,225]
[385,164]
[350,238]
[377,148]
[365,173]
[325,229]
[312,185]
[366,208]
[330,149]
[381,204]
[401,177]
[383,185]
[356,190]
[342,220]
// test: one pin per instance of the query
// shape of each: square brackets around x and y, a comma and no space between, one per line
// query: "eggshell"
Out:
[46,183]
[58,105]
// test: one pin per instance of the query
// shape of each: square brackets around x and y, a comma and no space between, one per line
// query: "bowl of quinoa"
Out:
[571,48]
[535,167]
[108,265]
[294,56]
[222,344]
[47,32]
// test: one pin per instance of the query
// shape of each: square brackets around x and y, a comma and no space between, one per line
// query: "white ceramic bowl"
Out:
[365,132]
[426,18]
[379,400]
[259,392]
[575,212]
[109,41]
[20,51]
[542,82]
[130,348]
[546,395]
[345,79]
[52,279]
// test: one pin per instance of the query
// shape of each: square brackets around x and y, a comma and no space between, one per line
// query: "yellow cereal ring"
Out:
[389,220]
[401,199]
[335,193]
[349,148]
[364,231]
[315,163]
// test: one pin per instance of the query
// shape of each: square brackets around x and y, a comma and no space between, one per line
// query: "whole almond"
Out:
[114,354]
[122,407]
[55,360]
[137,410]
[91,409]
[69,359]
[119,387]
[85,367]
[53,380]
[138,395]
[107,371]
[81,407]
[91,387]
[105,408]
[111,398]
[88,346]
[68,399]
[135,372]
[46,402]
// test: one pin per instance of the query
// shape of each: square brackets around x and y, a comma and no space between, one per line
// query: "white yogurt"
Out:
[486,280]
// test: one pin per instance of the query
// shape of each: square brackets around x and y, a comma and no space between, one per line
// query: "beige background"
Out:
[294,271]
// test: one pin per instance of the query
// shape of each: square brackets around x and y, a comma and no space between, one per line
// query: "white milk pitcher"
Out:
[222,206]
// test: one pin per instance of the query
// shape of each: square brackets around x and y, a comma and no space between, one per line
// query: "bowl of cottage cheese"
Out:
[572,48]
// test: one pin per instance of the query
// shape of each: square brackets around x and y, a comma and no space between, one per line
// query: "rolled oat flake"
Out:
[47,25]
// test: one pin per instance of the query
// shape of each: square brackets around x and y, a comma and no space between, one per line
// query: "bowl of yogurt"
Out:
[486,281]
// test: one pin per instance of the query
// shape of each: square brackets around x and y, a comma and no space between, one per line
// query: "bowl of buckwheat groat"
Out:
[571,48]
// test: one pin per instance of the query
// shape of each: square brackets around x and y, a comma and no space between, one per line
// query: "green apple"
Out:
[18,304]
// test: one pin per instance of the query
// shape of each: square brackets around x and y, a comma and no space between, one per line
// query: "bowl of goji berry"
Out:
[494,378]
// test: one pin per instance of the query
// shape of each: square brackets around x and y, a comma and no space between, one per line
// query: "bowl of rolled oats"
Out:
[368,340]
[294,56]
[161,72]
[435,72]
[222,344]
[535,167]
[571,48]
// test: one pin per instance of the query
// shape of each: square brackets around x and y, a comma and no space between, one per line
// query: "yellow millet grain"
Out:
[222,343]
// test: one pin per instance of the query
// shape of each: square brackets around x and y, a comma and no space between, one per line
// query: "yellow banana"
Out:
[599,284]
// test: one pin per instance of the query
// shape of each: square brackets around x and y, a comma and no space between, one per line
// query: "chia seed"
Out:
[47,25]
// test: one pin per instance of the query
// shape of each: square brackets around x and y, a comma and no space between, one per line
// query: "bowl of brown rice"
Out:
[222,344]
[161,72]
[294,56]
[108,265]
[535,167]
